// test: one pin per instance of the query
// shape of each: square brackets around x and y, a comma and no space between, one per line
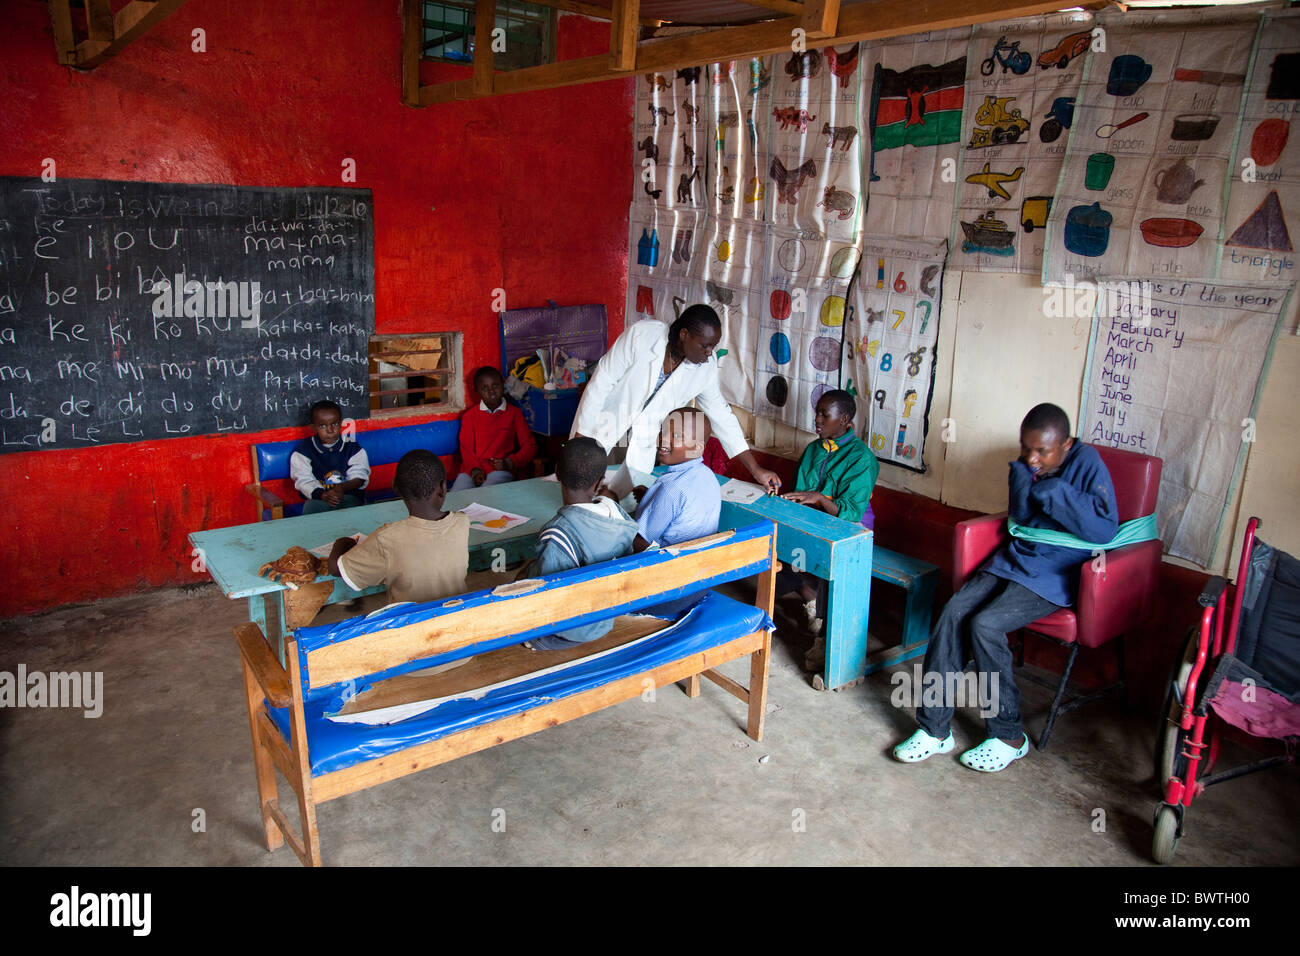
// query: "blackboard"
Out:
[133,311]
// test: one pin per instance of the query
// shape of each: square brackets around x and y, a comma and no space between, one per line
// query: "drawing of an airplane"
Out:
[993,181]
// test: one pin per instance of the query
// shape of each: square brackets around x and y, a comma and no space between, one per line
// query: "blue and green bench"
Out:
[271,484]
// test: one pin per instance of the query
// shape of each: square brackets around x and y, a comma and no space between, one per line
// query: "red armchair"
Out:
[1115,595]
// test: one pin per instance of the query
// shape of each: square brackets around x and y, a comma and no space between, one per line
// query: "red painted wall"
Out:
[527,193]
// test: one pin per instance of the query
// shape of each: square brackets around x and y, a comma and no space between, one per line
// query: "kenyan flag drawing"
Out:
[917,107]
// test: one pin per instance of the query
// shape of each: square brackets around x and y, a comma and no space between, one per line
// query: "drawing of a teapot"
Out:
[1175,184]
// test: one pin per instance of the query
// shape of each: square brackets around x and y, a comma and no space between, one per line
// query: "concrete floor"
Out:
[673,781]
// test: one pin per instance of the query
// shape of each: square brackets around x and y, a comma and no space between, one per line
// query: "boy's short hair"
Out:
[325,405]
[1047,418]
[485,370]
[701,427]
[841,401]
[582,463]
[419,473]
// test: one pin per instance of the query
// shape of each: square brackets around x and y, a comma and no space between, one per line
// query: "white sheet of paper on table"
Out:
[480,516]
[741,492]
[324,550]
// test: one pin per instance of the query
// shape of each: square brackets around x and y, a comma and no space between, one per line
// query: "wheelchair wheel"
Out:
[1165,842]
[1169,739]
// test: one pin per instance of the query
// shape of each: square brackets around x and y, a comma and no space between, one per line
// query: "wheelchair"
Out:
[1240,666]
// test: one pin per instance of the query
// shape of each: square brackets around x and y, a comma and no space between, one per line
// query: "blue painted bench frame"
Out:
[918,578]
[844,554]
[384,446]
[362,649]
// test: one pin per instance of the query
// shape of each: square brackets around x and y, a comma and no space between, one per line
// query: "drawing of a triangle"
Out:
[872,346]
[1265,228]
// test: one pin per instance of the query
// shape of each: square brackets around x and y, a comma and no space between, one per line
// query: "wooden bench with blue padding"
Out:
[918,578]
[356,708]
[384,446]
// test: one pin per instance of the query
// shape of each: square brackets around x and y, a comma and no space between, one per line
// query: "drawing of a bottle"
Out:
[902,439]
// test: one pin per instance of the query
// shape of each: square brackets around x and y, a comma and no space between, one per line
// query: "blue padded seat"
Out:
[332,746]
[384,446]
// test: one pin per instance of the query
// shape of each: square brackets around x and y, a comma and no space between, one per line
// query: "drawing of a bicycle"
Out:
[1010,56]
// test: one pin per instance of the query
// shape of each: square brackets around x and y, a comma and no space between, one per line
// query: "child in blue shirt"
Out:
[588,529]
[329,470]
[1059,484]
[685,502]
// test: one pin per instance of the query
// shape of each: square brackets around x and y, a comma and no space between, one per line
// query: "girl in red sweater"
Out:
[493,437]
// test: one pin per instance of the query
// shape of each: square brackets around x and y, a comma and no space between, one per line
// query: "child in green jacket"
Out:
[837,474]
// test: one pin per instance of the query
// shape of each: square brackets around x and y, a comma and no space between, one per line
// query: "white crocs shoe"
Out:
[993,756]
[921,746]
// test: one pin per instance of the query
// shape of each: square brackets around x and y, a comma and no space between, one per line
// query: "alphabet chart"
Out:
[1143,186]
[892,341]
[1264,200]
[1176,371]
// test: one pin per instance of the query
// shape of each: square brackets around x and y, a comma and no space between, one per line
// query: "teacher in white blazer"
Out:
[652,369]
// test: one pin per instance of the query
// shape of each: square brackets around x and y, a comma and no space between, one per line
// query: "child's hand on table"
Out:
[813,499]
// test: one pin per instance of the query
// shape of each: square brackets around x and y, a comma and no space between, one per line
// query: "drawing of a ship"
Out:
[988,234]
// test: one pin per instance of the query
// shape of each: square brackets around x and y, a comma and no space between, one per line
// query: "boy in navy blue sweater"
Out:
[327,469]
[1059,484]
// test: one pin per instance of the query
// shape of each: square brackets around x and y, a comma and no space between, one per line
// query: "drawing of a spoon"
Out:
[1107,131]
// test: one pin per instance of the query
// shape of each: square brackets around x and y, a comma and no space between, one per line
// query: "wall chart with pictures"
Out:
[1264,199]
[815,177]
[892,341]
[740,94]
[801,334]
[1174,372]
[1146,169]
[917,85]
[671,138]
[1022,80]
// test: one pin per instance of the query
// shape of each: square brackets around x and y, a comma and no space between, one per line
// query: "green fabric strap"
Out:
[1130,532]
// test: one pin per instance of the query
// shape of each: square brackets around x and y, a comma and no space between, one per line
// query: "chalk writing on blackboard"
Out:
[131,311]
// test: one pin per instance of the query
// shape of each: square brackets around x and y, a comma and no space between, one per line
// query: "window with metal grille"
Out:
[415,371]
[529,33]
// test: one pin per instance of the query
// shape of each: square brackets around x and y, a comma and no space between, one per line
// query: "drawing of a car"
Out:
[1076,44]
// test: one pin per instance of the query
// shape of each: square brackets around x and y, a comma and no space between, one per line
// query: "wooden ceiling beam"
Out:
[866,21]
[790,8]
[623,34]
[592,10]
[108,34]
[820,18]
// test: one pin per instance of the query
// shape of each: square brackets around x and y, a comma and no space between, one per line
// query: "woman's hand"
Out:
[770,480]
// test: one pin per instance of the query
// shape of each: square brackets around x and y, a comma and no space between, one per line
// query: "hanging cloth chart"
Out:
[1175,372]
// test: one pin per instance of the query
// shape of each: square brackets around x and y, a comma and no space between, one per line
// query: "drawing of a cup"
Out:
[1127,74]
[1100,166]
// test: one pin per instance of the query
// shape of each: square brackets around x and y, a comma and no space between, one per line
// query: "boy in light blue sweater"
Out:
[588,529]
